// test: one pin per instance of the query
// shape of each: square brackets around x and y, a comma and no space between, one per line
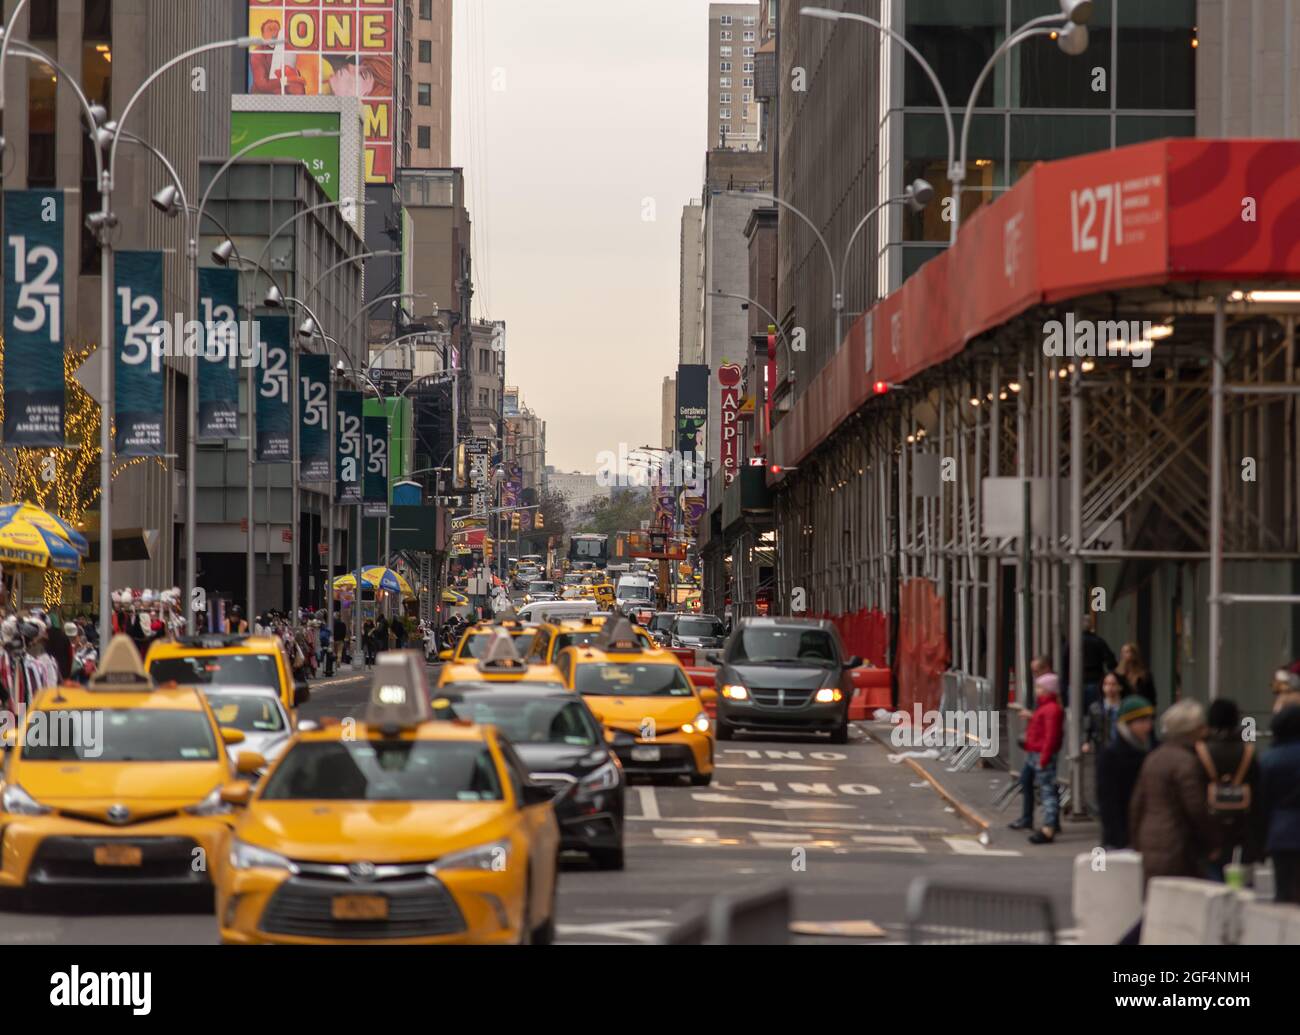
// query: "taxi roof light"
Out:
[501,655]
[212,641]
[122,670]
[618,635]
[399,693]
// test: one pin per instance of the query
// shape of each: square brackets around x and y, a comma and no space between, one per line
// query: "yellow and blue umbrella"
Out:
[455,598]
[32,538]
[377,578]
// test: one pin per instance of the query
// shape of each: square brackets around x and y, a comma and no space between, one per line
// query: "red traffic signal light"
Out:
[881,387]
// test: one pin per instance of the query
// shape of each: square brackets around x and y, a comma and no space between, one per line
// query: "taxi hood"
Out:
[147,787]
[378,831]
[629,712]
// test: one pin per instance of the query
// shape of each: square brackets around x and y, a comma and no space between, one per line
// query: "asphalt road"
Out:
[843,827]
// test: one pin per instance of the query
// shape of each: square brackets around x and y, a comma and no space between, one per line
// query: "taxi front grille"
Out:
[304,909]
[161,860]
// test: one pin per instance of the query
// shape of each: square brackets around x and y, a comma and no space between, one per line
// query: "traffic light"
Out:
[514,521]
[882,387]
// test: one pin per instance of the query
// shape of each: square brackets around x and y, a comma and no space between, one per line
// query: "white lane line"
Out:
[684,834]
[649,803]
[971,846]
[889,843]
[798,824]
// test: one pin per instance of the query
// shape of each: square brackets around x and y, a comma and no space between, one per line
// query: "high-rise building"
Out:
[690,348]
[427,84]
[668,414]
[733,42]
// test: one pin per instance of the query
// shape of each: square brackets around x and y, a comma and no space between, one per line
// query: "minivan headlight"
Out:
[829,695]
[735,692]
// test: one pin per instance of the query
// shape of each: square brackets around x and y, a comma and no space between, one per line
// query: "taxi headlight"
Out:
[493,857]
[603,779]
[211,805]
[244,856]
[829,695]
[17,802]
[735,692]
[700,724]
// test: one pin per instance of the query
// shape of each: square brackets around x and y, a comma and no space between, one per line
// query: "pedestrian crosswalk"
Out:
[839,841]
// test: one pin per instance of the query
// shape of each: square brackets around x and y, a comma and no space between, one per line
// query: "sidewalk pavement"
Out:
[974,795]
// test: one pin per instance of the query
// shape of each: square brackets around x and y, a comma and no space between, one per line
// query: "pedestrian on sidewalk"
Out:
[1098,659]
[1169,820]
[1279,787]
[1284,683]
[368,642]
[340,637]
[1135,672]
[1100,725]
[1042,744]
[1232,768]
[1118,764]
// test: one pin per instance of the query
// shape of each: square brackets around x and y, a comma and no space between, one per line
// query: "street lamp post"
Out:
[102,223]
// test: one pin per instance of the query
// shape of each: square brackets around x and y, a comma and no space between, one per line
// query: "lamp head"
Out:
[274,299]
[1073,39]
[919,194]
[307,329]
[99,113]
[165,200]
[224,252]
[1078,11]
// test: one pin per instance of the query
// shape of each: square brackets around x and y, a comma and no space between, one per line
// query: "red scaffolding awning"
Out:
[1149,214]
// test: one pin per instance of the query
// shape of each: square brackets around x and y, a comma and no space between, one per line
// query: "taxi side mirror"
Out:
[444,655]
[853,662]
[708,695]
[537,793]
[230,735]
[249,762]
[714,657]
[301,692]
[238,794]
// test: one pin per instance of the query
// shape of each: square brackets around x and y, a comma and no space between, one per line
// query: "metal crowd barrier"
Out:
[952,914]
[758,917]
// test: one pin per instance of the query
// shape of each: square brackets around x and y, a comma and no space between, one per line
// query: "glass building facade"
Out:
[1136,81]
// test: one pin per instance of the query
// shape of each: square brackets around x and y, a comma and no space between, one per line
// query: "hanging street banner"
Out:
[314,418]
[347,448]
[35,399]
[274,413]
[692,411]
[219,362]
[140,330]
[375,487]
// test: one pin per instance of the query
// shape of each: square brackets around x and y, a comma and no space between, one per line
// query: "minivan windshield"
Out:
[774,644]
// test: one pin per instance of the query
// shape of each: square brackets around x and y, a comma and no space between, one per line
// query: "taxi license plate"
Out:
[119,855]
[645,754]
[359,907]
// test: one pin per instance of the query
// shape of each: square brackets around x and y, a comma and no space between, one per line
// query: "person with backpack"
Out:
[1231,766]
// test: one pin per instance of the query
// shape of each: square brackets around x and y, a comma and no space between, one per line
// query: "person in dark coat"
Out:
[59,647]
[1098,659]
[1102,719]
[1118,765]
[1279,802]
[1225,753]
[399,633]
[1169,818]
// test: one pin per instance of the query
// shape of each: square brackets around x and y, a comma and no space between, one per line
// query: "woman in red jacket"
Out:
[1042,744]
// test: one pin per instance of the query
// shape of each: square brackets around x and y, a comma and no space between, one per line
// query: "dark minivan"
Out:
[784,675]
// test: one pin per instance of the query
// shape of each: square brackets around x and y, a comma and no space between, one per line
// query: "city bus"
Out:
[588,548]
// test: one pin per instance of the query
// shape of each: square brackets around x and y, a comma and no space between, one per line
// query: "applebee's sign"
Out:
[729,378]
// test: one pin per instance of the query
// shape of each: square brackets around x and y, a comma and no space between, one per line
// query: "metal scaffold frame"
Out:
[1190,461]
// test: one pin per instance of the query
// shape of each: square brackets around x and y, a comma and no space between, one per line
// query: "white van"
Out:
[633,593]
[556,610]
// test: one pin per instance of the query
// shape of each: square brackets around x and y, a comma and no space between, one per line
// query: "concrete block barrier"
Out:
[1266,923]
[1184,911]
[1107,898]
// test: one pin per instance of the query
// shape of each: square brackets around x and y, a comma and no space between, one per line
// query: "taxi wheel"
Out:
[608,858]
[544,933]
[701,779]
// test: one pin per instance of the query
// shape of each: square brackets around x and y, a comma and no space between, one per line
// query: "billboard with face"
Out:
[343,48]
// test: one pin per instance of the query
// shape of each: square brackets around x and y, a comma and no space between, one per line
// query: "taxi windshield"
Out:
[606,679]
[247,712]
[385,770]
[477,645]
[527,721]
[218,670]
[119,735]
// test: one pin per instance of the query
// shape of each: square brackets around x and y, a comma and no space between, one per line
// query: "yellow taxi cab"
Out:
[603,592]
[218,661]
[644,697]
[474,641]
[398,829]
[552,637]
[500,663]
[116,784]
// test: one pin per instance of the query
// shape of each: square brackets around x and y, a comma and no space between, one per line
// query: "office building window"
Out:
[424,95]
[724,66]
[749,37]
[725,113]
[725,36]
[746,82]
[426,52]
[1156,55]
[483,397]
[725,51]
[726,19]
[749,52]
[426,10]
[956,37]
[724,82]
[724,98]
[750,20]
[749,66]
[44,21]
[422,136]
[41,164]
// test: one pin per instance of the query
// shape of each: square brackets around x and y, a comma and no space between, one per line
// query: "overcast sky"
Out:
[581,126]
